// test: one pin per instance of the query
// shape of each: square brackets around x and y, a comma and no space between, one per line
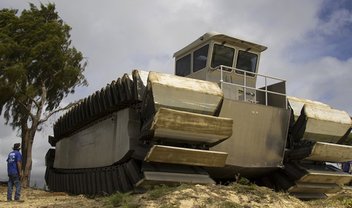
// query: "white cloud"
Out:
[336,23]
[326,79]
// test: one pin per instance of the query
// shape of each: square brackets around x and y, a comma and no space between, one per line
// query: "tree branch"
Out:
[25,107]
[20,91]
[56,111]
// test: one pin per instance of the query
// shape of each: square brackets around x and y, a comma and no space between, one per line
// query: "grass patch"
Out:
[229,204]
[244,181]
[122,200]
[254,192]
[347,202]
[159,191]
[339,200]
[344,199]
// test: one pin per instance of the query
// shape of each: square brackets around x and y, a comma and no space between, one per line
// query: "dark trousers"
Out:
[14,180]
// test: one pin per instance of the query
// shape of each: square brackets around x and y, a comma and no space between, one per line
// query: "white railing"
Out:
[245,87]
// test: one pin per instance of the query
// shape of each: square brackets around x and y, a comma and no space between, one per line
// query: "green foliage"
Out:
[122,200]
[160,191]
[38,65]
[347,202]
[243,181]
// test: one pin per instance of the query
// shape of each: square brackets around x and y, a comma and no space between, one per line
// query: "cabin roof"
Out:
[221,38]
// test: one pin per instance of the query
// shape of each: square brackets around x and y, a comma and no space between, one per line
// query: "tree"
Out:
[38,68]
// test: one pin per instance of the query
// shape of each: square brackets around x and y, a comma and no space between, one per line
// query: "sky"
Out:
[309,45]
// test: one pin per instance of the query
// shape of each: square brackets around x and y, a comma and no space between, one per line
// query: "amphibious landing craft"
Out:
[215,119]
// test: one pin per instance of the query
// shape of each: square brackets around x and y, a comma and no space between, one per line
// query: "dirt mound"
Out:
[231,196]
[235,195]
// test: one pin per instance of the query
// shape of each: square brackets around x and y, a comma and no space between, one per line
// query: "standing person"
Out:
[14,171]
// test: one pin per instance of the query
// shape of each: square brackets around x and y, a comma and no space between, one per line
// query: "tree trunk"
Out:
[27,144]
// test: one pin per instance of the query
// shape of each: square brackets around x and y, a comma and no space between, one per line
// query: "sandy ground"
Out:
[184,196]
[200,196]
[40,198]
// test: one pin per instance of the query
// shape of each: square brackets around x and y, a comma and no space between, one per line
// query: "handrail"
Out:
[245,87]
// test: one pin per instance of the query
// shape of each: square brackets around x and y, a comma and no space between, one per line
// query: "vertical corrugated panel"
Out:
[114,93]
[56,182]
[77,180]
[64,182]
[115,178]
[59,182]
[91,107]
[71,183]
[108,97]
[103,101]
[139,86]
[110,186]
[103,181]
[80,183]
[125,185]
[127,84]
[98,182]
[95,105]
[49,179]
[132,171]
[85,182]
[122,93]
[91,183]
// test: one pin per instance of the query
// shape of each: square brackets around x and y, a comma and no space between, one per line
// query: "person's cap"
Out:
[17,146]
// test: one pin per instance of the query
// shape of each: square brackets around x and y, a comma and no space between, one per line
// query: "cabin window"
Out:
[183,66]
[222,55]
[247,61]
[200,58]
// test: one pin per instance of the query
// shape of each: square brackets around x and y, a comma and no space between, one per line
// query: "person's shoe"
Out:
[9,200]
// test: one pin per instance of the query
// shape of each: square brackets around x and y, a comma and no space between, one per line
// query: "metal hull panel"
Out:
[325,177]
[330,152]
[314,188]
[99,145]
[191,127]
[185,94]
[259,134]
[151,178]
[186,156]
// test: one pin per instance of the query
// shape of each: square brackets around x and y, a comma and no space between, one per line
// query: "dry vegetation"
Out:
[39,198]
[235,195]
